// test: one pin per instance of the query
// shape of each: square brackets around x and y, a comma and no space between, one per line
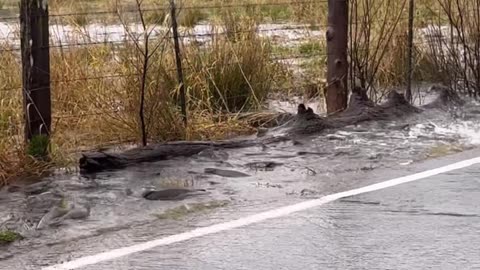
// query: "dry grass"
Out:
[91,108]
[298,10]
[380,44]
[392,69]
[232,74]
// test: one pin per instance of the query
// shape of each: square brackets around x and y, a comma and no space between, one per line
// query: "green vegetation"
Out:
[312,48]
[38,146]
[64,204]
[7,237]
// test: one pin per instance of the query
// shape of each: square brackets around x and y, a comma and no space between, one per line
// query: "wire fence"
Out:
[232,54]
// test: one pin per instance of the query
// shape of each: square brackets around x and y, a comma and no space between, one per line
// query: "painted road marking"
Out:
[245,221]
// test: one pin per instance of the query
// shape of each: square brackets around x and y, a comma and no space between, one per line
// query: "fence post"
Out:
[411,10]
[178,58]
[35,69]
[337,62]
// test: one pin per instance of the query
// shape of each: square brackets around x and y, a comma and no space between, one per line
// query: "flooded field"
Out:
[117,33]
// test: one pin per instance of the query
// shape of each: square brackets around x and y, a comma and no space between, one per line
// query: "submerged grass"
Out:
[7,237]
[191,208]
[441,150]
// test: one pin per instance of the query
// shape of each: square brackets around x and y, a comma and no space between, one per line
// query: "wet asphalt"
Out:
[432,223]
[429,224]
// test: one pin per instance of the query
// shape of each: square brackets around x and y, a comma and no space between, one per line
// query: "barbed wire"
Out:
[308,29]
[192,7]
[189,35]
[273,57]
[16,18]
[286,88]
[109,76]
[155,37]
[112,76]
[79,115]
[165,9]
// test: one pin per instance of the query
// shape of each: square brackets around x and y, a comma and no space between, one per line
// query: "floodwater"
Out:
[285,33]
[373,231]
[429,224]
[306,168]
[61,34]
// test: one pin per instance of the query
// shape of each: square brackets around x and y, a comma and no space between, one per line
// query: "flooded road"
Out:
[432,223]
[429,224]
[267,177]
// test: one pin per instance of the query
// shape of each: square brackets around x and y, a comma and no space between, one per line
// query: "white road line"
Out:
[275,213]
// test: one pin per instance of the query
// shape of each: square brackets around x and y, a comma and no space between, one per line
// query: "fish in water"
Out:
[172,194]
[225,173]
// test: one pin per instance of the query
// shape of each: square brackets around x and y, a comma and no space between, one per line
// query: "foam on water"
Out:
[469,131]
[466,131]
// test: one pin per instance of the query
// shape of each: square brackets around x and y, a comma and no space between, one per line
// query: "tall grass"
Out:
[96,88]
[455,49]
[96,93]
[232,76]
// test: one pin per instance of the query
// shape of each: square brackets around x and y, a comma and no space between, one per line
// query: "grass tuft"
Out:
[8,237]
[91,110]
[441,150]
[38,146]
[311,48]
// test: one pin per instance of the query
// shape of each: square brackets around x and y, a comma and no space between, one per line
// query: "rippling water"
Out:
[429,224]
[311,167]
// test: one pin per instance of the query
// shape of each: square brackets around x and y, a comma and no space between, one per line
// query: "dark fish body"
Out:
[225,173]
[170,194]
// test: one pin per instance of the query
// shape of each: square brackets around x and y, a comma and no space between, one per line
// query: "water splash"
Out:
[468,131]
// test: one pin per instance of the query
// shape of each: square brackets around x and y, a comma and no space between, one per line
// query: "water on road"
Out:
[300,170]
[430,224]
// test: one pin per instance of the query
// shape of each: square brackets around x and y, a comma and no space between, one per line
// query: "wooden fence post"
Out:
[337,62]
[178,58]
[408,93]
[35,68]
